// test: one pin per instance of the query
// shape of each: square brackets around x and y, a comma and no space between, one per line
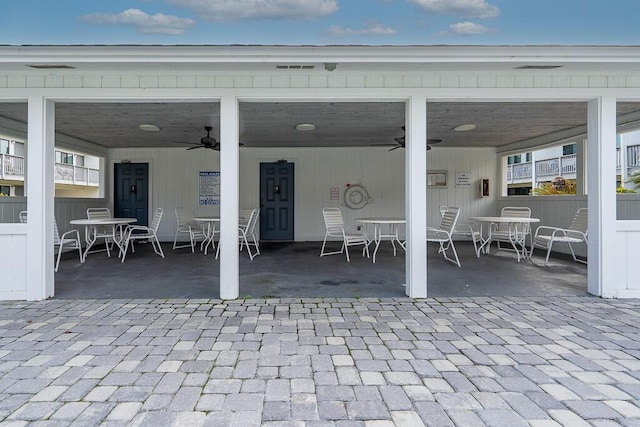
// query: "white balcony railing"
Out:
[76,175]
[12,167]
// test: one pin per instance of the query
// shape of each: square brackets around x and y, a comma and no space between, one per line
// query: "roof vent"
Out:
[51,67]
[295,67]
[538,67]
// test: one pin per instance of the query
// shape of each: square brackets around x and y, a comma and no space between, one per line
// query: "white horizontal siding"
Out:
[336,79]
[174,181]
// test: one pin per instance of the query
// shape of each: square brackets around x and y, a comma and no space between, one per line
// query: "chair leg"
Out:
[546,260]
[125,246]
[55,269]
[157,245]
[346,250]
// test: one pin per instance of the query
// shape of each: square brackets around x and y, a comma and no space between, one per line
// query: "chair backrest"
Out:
[56,233]
[333,219]
[185,216]
[251,223]
[515,212]
[98,213]
[580,221]
[449,219]
[155,222]
[442,209]
[22,216]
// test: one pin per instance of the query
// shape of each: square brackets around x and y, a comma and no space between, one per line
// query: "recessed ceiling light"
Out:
[464,128]
[149,128]
[305,126]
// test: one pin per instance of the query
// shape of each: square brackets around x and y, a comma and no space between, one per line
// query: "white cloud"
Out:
[144,23]
[469,29]
[226,10]
[465,8]
[371,28]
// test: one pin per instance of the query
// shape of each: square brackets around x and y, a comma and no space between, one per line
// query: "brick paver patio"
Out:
[571,361]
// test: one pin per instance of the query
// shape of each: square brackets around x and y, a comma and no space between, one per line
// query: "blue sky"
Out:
[321,22]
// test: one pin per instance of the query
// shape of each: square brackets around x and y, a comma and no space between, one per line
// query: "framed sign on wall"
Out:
[437,179]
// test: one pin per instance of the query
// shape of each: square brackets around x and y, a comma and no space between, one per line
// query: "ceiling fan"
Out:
[400,141]
[207,141]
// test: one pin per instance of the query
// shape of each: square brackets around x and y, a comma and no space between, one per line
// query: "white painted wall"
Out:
[174,181]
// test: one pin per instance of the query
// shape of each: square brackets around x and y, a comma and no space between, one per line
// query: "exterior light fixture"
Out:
[149,128]
[304,127]
[464,128]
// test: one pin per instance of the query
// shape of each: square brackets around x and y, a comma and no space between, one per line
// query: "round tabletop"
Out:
[504,219]
[382,220]
[207,218]
[103,221]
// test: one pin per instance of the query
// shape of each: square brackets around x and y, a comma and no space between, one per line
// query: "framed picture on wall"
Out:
[437,179]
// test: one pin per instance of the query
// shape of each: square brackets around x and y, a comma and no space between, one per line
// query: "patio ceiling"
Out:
[272,124]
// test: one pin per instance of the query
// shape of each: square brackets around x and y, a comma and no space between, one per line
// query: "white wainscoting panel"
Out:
[628,248]
[13,253]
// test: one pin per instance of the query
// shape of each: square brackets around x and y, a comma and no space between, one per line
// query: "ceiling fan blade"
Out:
[394,148]
[194,147]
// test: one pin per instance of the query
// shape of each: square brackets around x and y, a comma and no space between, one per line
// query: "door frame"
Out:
[110,178]
[259,162]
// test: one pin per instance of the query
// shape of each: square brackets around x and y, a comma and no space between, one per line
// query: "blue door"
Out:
[276,201]
[131,192]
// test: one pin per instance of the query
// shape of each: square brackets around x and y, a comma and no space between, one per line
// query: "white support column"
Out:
[601,187]
[416,197]
[229,198]
[40,163]
[581,167]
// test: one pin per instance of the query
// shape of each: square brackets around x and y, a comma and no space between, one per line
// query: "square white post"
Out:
[601,187]
[581,167]
[229,198]
[416,197]
[40,172]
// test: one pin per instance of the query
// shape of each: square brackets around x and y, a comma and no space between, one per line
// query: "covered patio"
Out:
[294,270]
[254,105]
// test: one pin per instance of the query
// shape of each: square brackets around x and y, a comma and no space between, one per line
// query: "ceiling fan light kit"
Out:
[207,141]
[400,140]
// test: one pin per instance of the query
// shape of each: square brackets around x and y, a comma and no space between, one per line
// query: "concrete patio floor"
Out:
[367,362]
[288,270]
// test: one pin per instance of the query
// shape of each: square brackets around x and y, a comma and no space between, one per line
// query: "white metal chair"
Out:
[335,228]
[69,240]
[546,236]
[142,232]
[443,234]
[467,230]
[513,233]
[60,242]
[247,233]
[187,225]
[105,232]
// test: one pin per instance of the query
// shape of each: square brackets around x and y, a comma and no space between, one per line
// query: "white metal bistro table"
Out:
[113,222]
[516,237]
[209,229]
[390,231]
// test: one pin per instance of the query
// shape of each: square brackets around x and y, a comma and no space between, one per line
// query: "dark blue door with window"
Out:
[131,192]
[276,201]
